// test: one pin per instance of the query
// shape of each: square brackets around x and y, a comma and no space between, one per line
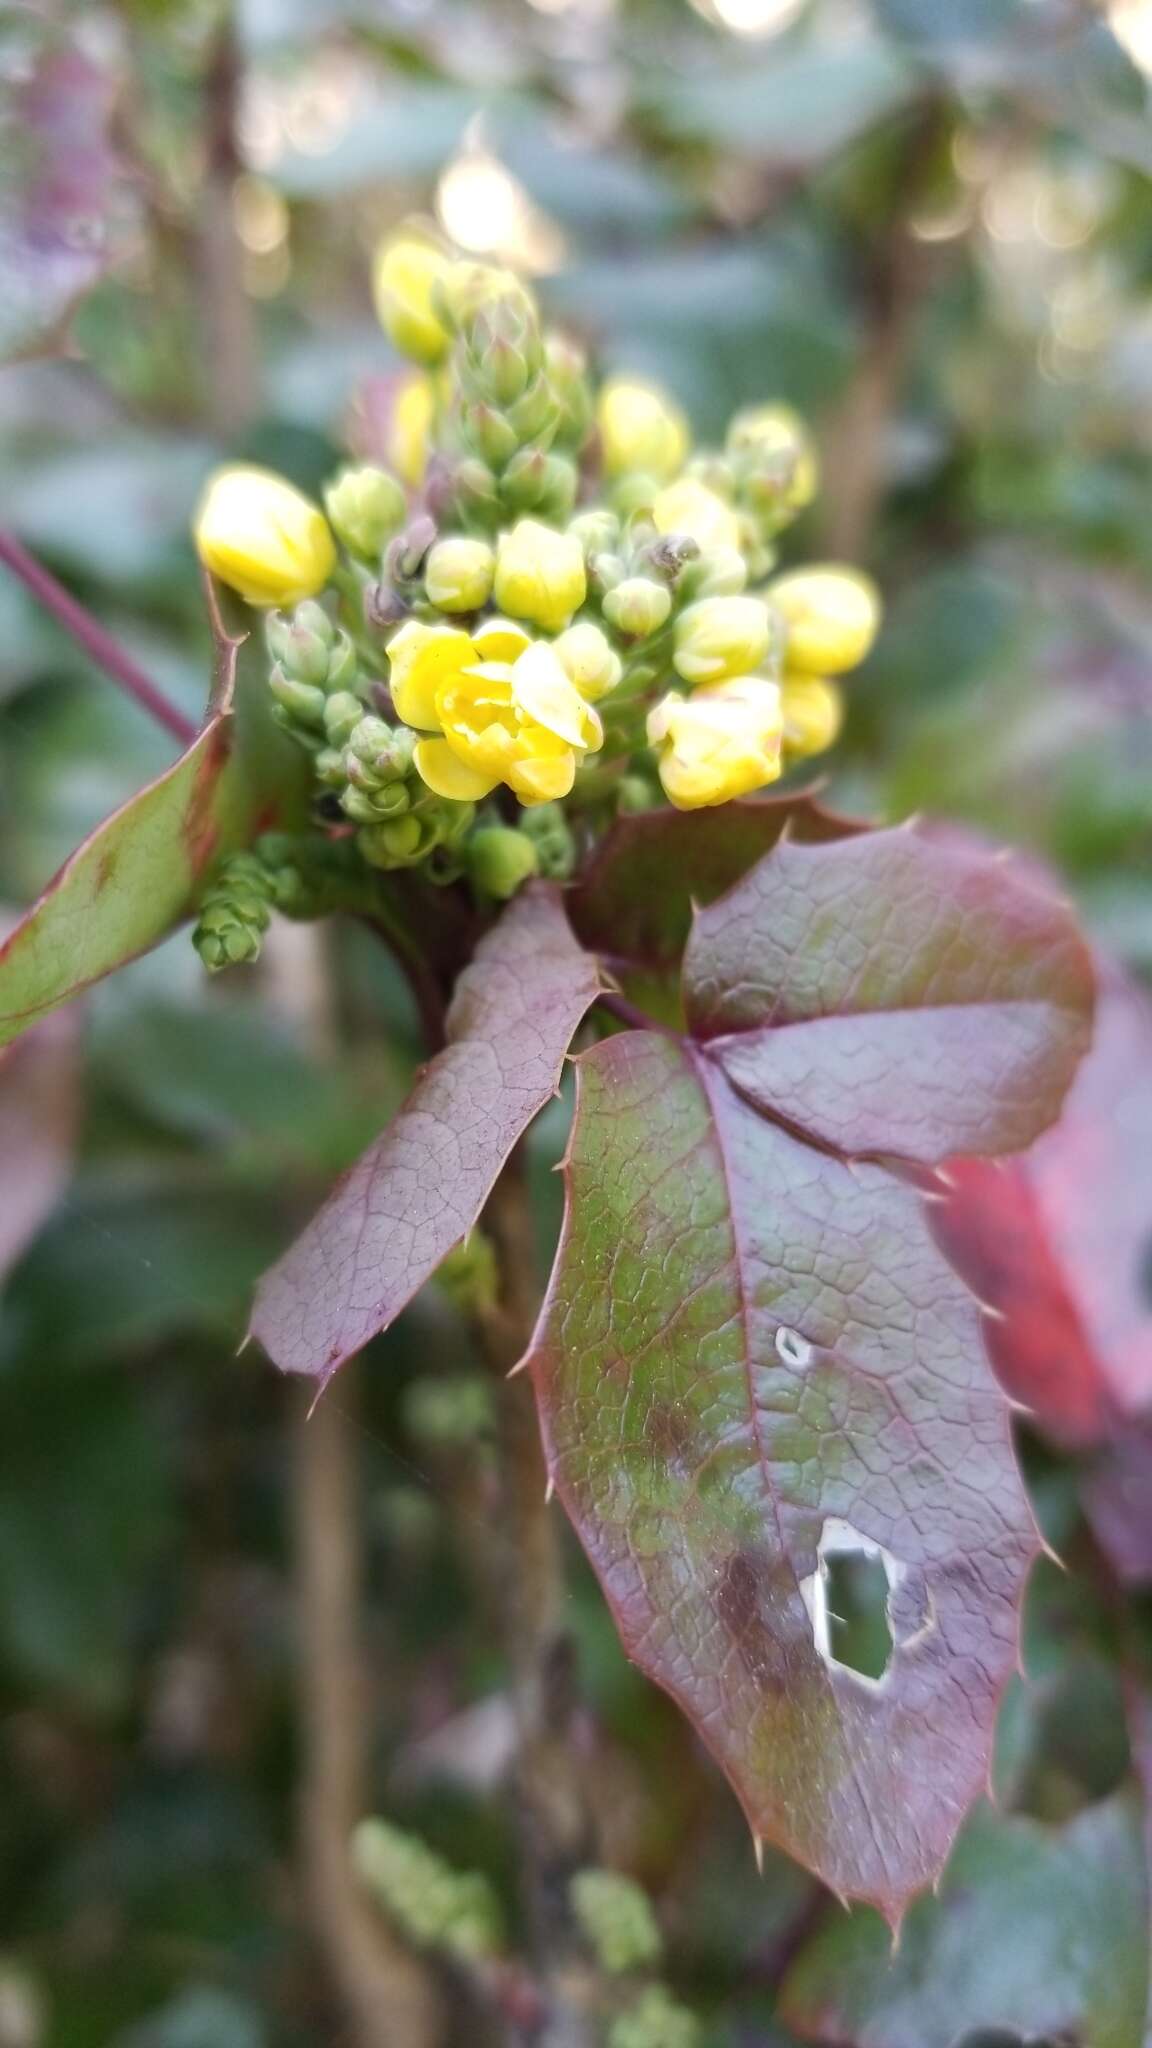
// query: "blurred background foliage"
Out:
[929,226]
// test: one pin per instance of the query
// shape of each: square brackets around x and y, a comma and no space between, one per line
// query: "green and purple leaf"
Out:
[753,1355]
[420,1188]
[139,873]
[1038,1932]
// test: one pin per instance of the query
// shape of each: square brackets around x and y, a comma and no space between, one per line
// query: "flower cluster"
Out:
[538,595]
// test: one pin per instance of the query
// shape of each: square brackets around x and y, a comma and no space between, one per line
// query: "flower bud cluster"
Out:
[547,605]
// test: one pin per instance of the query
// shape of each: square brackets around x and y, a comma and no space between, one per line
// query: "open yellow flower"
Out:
[723,741]
[262,537]
[499,707]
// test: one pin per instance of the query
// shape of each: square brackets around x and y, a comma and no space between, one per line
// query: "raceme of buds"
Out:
[722,636]
[540,575]
[640,430]
[458,574]
[407,272]
[365,507]
[455,631]
[262,537]
[831,617]
[722,742]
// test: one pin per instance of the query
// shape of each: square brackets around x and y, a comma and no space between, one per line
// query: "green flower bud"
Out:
[616,1919]
[342,714]
[469,491]
[655,2020]
[776,462]
[605,572]
[434,1905]
[638,606]
[458,574]
[634,793]
[723,572]
[365,508]
[377,753]
[546,825]
[395,844]
[301,641]
[597,530]
[235,912]
[500,859]
[302,702]
[489,432]
[372,806]
[567,370]
[536,416]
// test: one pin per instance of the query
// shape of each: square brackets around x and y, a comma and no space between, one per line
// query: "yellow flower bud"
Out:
[263,538]
[813,714]
[589,660]
[458,574]
[722,636]
[640,429]
[540,574]
[778,436]
[410,428]
[832,616]
[690,507]
[722,742]
[722,573]
[405,275]
[638,606]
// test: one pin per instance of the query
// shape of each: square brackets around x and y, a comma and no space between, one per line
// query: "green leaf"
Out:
[139,873]
[420,1188]
[1039,1931]
[754,1359]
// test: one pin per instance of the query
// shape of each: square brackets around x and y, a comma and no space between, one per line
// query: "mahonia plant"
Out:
[529,680]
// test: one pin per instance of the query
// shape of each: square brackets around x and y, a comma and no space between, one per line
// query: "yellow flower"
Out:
[832,616]
[405,274]
[410,428]
[813,714]
[263,538]
[722,636]
[640,429]
[458,574]
[540,574]
[501,706]
[721,742]
[688,506]
[589,660]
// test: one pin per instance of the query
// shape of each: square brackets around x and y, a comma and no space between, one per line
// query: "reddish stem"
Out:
[89,634]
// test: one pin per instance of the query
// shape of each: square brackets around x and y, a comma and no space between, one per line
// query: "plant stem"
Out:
[102,647]
[231,353]
[553,1808]
[386,1994]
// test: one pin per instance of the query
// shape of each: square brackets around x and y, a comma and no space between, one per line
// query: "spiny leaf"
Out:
[893,994]
[633,901]
[753,1355]
[1042,1932]
[419,1189]
[132,879]
[1059,1240]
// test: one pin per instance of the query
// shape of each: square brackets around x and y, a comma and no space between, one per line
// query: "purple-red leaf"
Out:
[754,1359]
[633,902]
[419,1189]
[1060,1241]
[894,994]
[753,1356]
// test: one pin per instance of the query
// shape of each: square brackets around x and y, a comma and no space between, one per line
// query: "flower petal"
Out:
[441,768]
